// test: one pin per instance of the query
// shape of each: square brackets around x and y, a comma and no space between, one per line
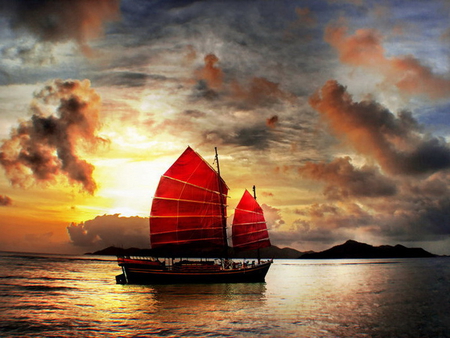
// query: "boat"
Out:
[188,219]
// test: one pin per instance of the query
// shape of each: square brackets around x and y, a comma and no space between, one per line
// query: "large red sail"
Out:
[188,207]
[249,229]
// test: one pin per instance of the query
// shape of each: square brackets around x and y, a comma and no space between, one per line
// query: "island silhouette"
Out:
[349,249]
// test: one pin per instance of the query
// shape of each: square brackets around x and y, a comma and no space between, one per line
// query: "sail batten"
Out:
[252,232]
[249,229]
[168,232]
[187,206]
[184,200]
[249,223]
[251,211]
[192,185]
[187,216]
[196,240]
[253,242]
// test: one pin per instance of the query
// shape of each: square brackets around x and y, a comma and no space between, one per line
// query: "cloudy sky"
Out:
[338,111]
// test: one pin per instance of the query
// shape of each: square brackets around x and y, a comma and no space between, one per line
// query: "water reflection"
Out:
[185,309]
[385,298]
[351,298]
[208,297]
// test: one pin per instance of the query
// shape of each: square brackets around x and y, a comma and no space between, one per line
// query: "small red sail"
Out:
[249,230]
[188,206]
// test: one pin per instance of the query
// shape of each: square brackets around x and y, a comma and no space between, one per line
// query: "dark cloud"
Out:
[30,54]
[395,142]
[47,145]
[108,230]
[332,222]
[250,93]
[323,224]
[256,136]
[202,91]
[61,21]
[124,79]
[194,113]
[401,196]
[420,211]
[5,201]
[343,180]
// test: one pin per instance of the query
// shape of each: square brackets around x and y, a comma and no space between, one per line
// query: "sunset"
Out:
[336,110]
[223,168]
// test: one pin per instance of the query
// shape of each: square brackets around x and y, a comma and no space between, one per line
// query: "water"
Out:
[63,296]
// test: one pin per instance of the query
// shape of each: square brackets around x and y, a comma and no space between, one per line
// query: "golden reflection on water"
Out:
[329,298]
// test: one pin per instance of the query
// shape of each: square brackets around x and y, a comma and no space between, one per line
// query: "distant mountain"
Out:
[350,249]
[354,249]
[115,251]
[270,252]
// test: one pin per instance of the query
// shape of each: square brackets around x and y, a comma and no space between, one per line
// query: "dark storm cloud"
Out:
[61,21]
[47,145]
[395,142]
[108,230]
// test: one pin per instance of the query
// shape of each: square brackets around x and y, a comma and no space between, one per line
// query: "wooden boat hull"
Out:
[135,273]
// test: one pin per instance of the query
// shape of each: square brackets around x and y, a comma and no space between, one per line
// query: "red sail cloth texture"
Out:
[249,229]
[188,206]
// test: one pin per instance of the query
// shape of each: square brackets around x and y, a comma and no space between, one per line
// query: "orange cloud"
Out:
[364,49]
[272,122]
[395,142]
[46,146]
[210,73]
[256,92]
[260,92]
[5,201]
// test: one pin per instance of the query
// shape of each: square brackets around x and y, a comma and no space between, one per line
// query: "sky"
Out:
[338,112]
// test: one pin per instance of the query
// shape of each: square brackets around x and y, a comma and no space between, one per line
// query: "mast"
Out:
[257,250]
[224,220]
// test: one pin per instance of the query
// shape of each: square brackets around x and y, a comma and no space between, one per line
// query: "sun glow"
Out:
[125,212]
[128,185]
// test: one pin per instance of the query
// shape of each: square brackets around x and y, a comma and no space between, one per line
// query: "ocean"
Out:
[76,296]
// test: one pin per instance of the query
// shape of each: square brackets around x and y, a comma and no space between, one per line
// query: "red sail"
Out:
[249,229]
[188,207]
